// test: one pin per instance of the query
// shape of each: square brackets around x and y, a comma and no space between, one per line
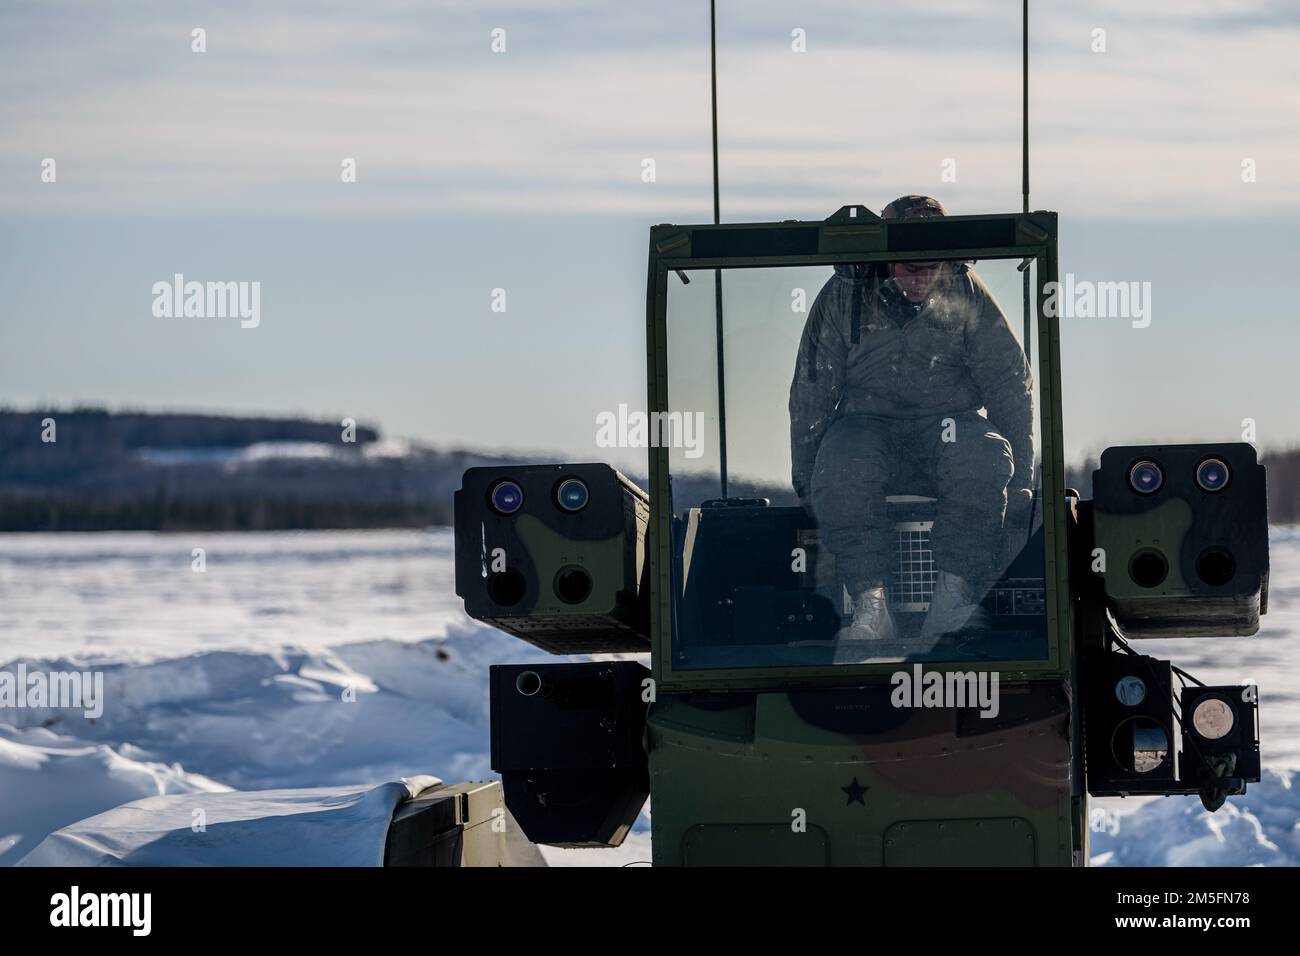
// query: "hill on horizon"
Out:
[90,469]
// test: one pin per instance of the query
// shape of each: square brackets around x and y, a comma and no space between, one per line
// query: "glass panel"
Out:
[883,492]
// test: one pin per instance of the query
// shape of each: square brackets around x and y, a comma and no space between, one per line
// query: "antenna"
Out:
[1024,168]
[717,273]
[713,81]
[1024,125]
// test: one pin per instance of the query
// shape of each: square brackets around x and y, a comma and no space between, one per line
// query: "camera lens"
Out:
[572,495]
[506,498]
[1216,566]
[528,683]
[1148,568]
[1146,477]
[572,585]
[507,588]
[1212,475]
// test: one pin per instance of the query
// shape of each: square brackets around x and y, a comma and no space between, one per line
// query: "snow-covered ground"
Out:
[300,660]
[292,660]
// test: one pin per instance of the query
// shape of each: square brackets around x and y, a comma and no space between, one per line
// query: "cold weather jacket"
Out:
[867,350]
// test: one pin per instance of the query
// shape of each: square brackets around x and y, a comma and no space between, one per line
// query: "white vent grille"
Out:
[913,582]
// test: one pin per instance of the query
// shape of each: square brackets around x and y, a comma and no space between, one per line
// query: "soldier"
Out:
[895,362]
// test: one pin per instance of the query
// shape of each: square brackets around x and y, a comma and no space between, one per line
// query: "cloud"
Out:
[1159,124]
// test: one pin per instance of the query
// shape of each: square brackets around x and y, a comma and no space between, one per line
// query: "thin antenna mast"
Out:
[1024,166]
[717,273]
[1024,126]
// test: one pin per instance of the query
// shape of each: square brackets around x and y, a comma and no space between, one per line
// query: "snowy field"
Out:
[337,658]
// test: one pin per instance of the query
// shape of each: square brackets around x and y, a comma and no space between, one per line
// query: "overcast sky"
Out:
[522,170]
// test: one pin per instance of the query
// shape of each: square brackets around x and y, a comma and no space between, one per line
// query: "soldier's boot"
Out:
[954,607]
[872,620]
[872,623]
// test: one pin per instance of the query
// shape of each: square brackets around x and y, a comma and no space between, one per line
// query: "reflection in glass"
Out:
[882,501]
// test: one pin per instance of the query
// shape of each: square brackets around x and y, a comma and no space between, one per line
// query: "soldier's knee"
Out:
[839,494]
[985,458]
[848,460]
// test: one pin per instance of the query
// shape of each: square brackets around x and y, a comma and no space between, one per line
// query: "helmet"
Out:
[913,207]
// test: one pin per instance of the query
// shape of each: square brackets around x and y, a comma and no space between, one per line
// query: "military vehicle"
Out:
[761,732]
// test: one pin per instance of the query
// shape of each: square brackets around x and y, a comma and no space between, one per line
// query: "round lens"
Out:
[573,585]
[1148,568]
[507,588]
[1130,691]
[1213,718]
[1146,477]
[1212,475]
[1216,566]
[507,498]
[528,683]
[572,495]
[1140,745]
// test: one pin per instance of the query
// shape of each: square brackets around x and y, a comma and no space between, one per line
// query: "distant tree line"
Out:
[96,477]
[94,441]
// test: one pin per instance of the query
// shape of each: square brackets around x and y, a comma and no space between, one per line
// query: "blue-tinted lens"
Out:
[572,495]
[1146,477]
[507,498]
[1212,475]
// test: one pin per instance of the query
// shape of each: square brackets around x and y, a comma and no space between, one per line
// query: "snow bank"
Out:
[349,717]
[1260,828]
[48,781]
[340,826]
